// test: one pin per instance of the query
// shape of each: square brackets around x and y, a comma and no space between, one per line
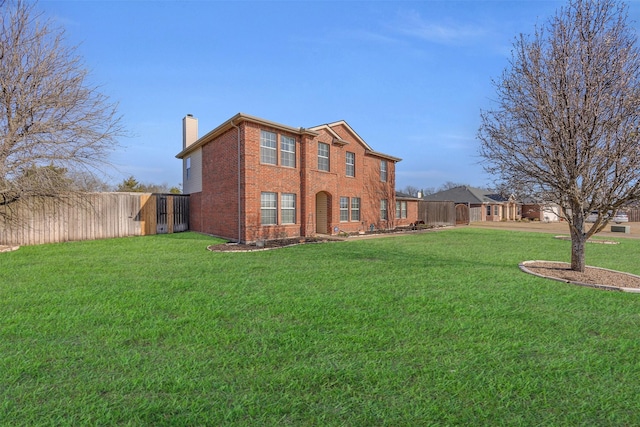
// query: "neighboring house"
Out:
[541,211]
[251,179]
[481,205]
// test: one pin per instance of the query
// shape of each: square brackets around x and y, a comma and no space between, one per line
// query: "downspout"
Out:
[239,181]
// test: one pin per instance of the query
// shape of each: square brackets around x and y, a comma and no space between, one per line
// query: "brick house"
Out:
[252,179]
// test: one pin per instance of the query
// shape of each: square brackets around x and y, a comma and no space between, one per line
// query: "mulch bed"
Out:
[592,276]
[268,244]
[281,243]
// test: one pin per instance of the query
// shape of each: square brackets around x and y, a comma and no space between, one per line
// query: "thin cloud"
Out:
[411,23]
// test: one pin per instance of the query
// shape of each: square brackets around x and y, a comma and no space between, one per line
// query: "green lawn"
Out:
[429,329]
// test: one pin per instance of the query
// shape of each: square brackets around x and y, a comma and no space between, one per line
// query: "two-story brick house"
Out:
[251,179]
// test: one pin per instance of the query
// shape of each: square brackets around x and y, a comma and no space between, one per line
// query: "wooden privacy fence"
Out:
[437,213]
[633,214]
[91,216]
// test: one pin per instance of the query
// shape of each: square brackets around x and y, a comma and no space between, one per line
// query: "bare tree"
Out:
[428,190]
[449,185]
[51,117]
[568,116]
[410,190]
[132,185]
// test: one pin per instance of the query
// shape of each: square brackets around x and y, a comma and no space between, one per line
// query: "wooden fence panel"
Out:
[437,213]
[475,214]
[87,216]
[633,214]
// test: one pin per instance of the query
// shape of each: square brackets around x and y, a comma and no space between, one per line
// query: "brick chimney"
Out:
[189,130]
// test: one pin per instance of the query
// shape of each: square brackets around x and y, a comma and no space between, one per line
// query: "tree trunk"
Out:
[578,243]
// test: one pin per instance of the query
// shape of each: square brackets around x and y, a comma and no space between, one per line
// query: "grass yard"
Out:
[428,329]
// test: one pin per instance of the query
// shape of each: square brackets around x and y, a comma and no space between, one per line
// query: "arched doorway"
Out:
[323,204]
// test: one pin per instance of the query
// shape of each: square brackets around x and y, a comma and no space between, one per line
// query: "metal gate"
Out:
[172,213]
[180,213]
[161,215]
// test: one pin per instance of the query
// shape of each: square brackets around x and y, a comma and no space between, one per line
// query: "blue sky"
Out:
[409,77]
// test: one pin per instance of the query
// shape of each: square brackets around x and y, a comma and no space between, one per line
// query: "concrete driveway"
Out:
[554,227]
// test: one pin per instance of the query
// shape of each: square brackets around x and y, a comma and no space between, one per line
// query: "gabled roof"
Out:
[405,196]
[234,121]
[465,194]
[240,117]
[329,128]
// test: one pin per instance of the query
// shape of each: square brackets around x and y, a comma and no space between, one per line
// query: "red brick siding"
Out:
[219,200]
[268,178]
[412,214]
[215,210]
[195,209]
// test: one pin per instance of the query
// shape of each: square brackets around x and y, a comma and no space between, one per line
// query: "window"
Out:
[496,210]
[488,210]
[351,164]
[288,208]
[268,209]
[401,209]
[383,170]
[383,209]
[323,157]
[268,147]
[287,151]
[355,209]
[188,167]
[344,209]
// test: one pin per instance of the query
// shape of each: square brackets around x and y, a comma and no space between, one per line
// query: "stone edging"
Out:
[8,248]
[603,242]
[242,251]
[523,267]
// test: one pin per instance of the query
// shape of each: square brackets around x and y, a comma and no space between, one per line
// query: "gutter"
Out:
[239,181]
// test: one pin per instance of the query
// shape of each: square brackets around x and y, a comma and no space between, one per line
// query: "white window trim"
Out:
[383,170]
[283,150]
[269,208]
[264,147]
[352,209]
[352,165]
[328,156]
[284,208]
[344,209]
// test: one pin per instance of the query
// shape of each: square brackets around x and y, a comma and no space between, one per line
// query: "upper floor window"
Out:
[288,208]
[188,167]
[268,209]
[287,151]
[268,147]
[351,164]
[383,170]
[323,157]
